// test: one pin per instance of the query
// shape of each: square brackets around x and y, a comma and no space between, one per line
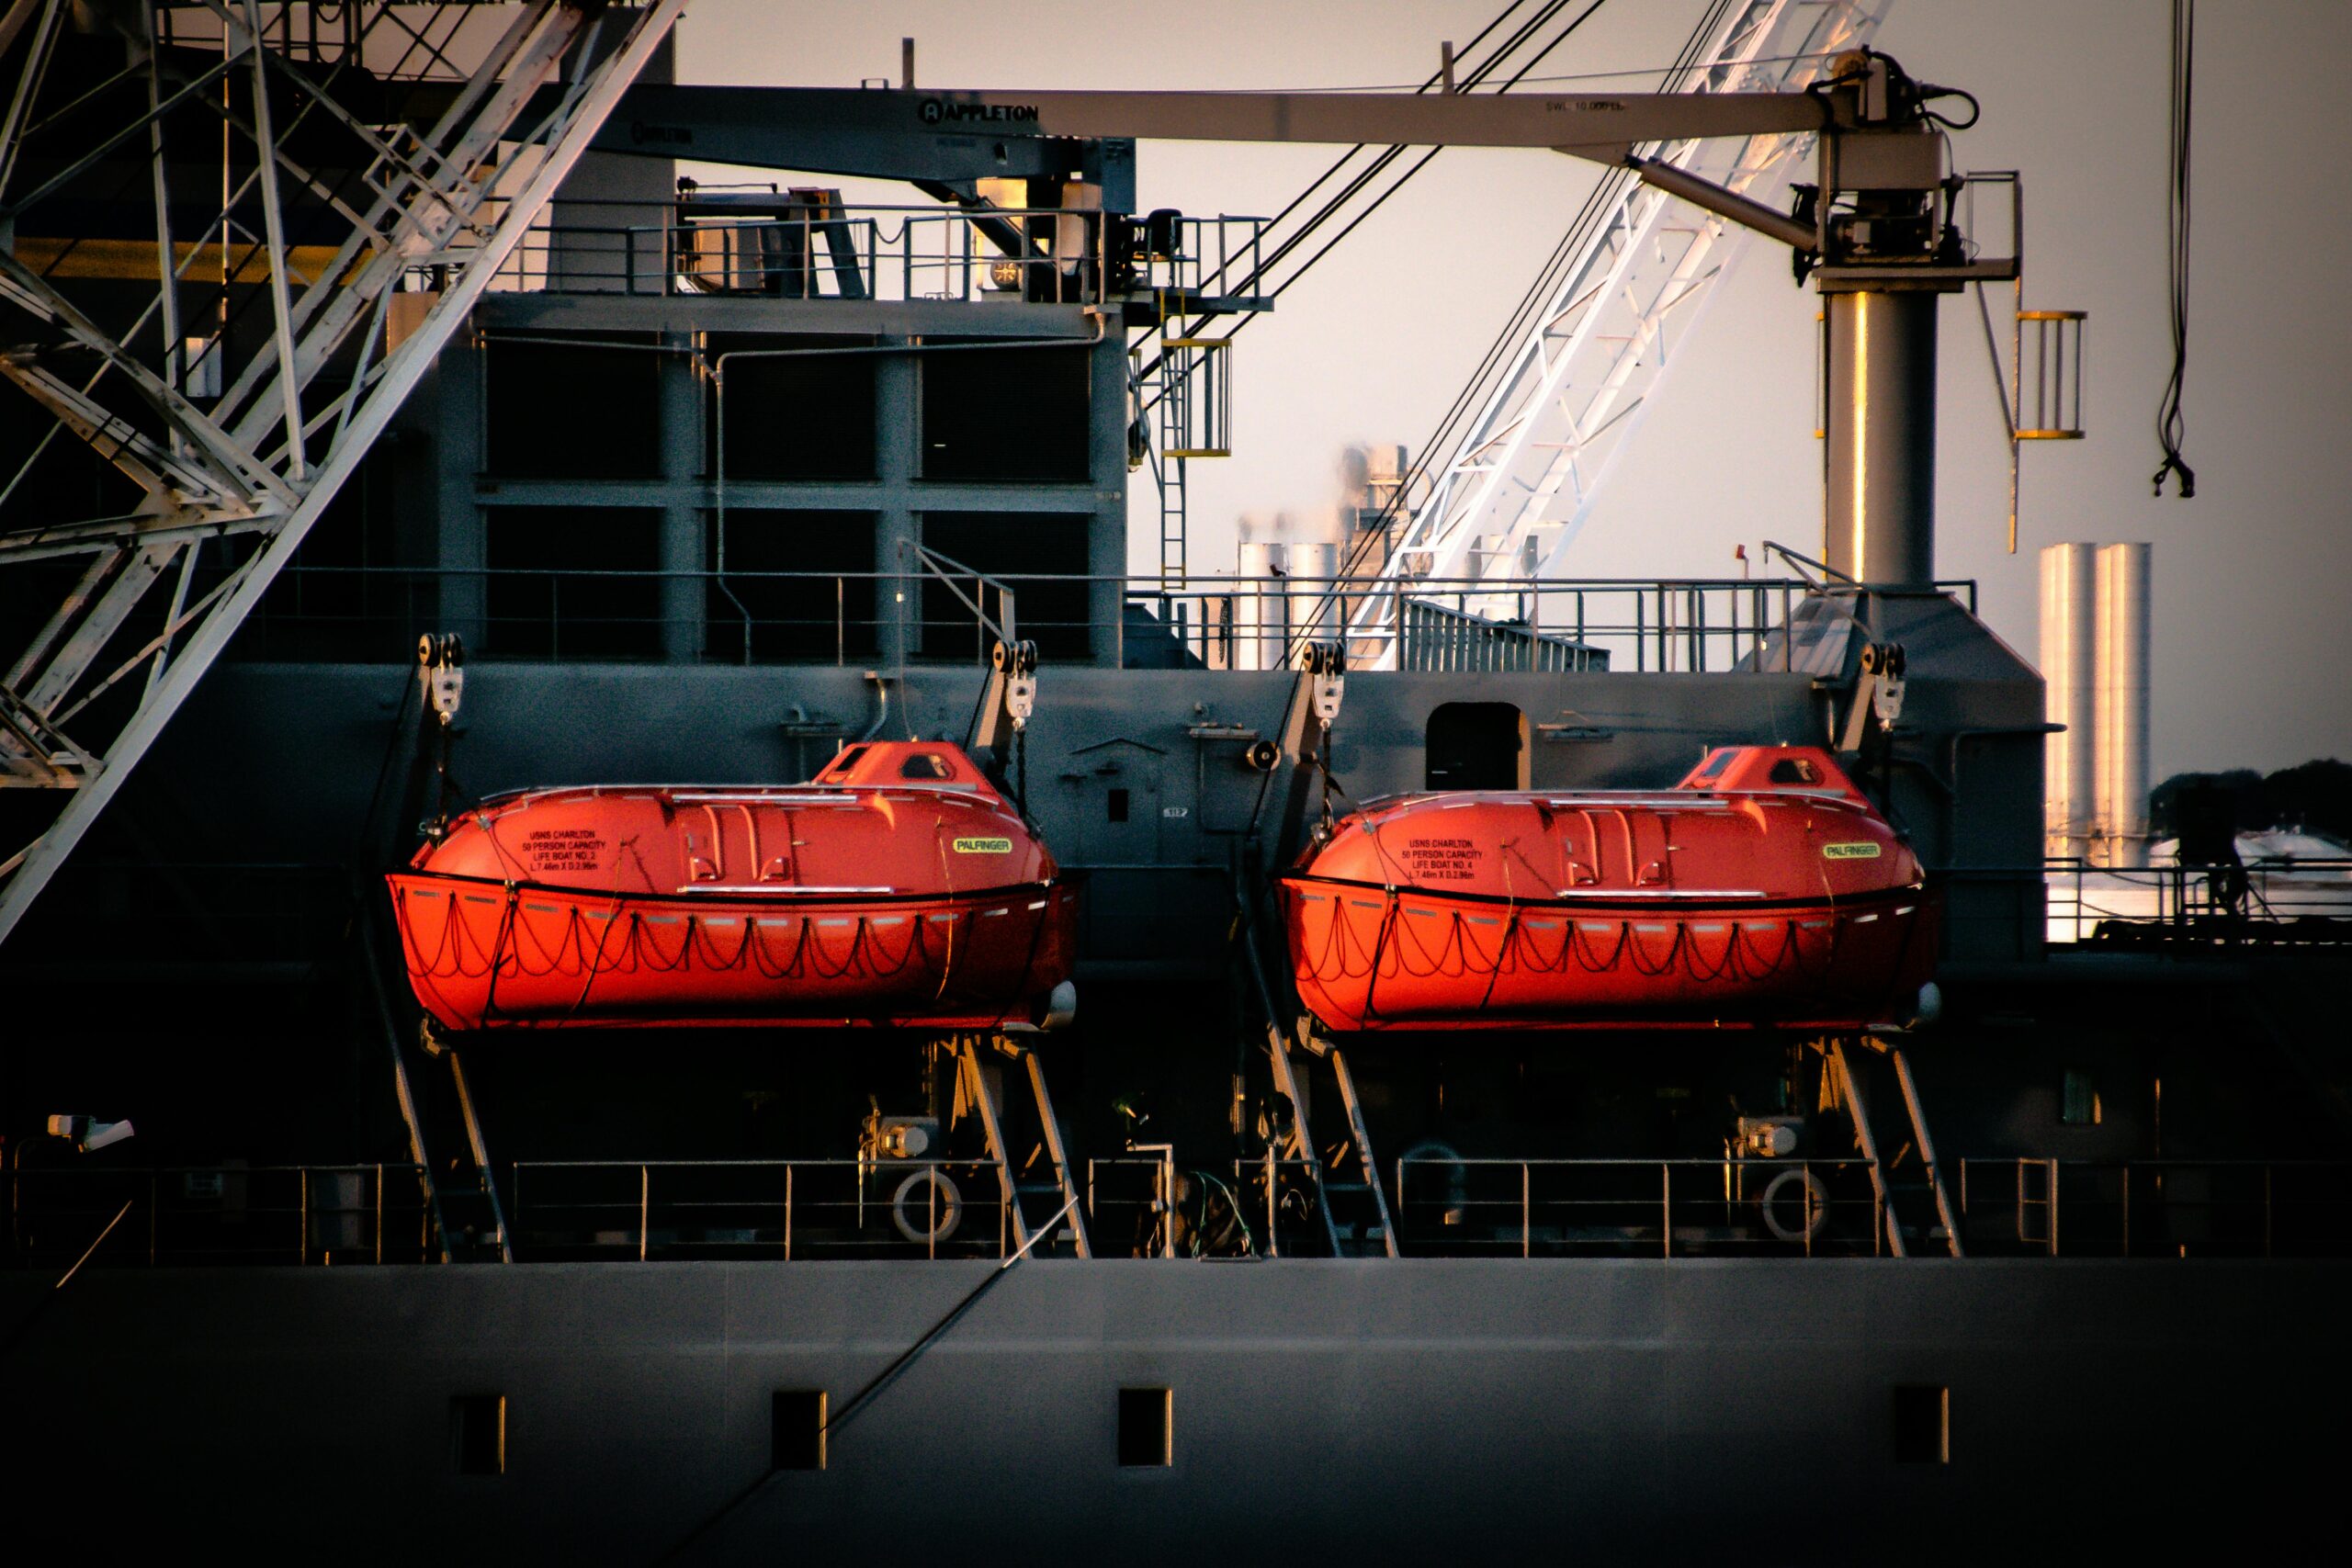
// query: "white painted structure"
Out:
[2095,660]
[2123,644]
[2070,673]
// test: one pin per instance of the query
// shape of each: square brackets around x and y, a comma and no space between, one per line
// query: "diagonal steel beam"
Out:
[152,468]
[566,137]
[1565,405]
[236,468]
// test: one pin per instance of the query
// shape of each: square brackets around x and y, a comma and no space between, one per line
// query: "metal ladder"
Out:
[1022,1196]
[1358,1141]
[1884,1186]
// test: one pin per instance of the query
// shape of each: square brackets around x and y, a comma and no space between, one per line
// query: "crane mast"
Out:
[1520,483]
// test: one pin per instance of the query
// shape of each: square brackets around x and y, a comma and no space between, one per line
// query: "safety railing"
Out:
[2166,1207]
[1637,1208]
[1474,624]
[803,245]
[2280,902]
[1147,1204]
[1132,1203]
[217,1214]
[773,1209]
[1150,1204]
[340,613]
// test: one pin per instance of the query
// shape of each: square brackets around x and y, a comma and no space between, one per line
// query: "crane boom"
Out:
[1521,482]
[739,124]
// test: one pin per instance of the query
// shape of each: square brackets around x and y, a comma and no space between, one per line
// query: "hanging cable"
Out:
[1602,199]
[2170,426]
[1260,274]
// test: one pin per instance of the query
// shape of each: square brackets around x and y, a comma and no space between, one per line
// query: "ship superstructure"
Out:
[752,486]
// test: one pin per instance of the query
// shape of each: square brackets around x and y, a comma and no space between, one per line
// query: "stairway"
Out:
[1024,1140]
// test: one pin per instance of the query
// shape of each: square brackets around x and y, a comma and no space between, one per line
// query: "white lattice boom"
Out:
[234,461]
[1524,481]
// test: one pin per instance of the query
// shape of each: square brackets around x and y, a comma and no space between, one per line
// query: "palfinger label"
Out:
[1850,852]
[1004,847]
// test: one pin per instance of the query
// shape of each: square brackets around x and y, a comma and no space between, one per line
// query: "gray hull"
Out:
[1390,1411]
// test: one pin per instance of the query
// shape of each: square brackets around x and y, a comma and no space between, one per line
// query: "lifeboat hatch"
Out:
[1477,746]
[1118,801]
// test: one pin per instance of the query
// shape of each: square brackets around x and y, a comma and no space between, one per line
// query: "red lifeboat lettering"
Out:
[898,887]
[1762,890]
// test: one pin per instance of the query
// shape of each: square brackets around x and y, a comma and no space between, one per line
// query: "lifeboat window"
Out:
[1147,1431]
[1717,763]
[478,1434]
[847,760]
[797,1429]
[1922,1424]
[1795,770]
[1475,746]
[1114,803]
[926,765]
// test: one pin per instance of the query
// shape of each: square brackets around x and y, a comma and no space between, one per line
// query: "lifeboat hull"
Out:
[481,956]
[1783,906]
[899,889]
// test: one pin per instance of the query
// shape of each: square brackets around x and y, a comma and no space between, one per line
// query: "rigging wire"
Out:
[1388,156]
[2171,427]
[1602,199]
[1630,74]
[1515,79]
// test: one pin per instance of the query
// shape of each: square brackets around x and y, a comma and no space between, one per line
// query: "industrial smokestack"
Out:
[1313,562]
[2070,677]
[2124,578]
[1260,609]
[2095,653]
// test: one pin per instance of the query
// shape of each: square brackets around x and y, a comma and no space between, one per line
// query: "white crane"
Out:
[246,455]
[1512,496]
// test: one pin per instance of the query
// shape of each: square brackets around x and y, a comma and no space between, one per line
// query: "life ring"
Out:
[919,1217]
[1816,1212]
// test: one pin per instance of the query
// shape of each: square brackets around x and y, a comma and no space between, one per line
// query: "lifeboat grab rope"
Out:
[520,948]
[1458,953]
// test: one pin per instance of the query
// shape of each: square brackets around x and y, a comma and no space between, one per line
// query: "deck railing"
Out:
[1639,1208]
[341,614]
[780,1209]
[2157,1208]
[2291,901]
[1148,1203]
[804,245]
[219,1215]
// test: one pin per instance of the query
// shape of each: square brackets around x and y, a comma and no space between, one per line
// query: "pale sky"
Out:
[2253,577]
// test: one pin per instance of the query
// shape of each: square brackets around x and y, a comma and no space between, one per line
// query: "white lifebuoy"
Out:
[1816,1200]
[921,1218]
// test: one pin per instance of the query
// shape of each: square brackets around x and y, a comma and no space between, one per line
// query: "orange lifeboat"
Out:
[1764,890]
[897,888]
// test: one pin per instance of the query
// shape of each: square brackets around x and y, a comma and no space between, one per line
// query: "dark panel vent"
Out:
[2078,1103]
[575,411]
[1011,547]
[820,611]
[478,1434]
[1922,1424]
[1147,1434]
[1475,746]
[798,1429]
[1008,414]
[795,415]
